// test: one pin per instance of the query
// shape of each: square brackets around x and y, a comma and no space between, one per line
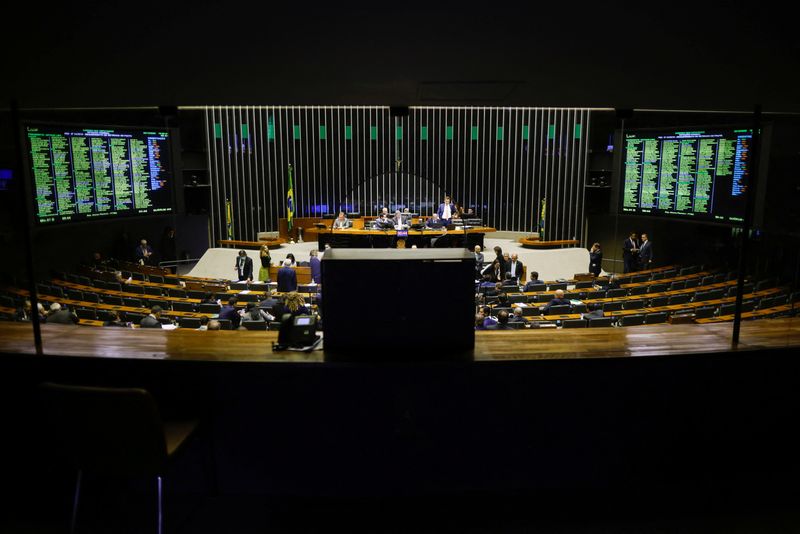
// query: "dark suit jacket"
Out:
[247,272]
[149,322]
[595,262]
[534,285]
[230,313]
[62,317]
[479,260]
[316,269]
[440,211]
[268,303]
[287,280]
[140,253]
[555,302]
[519,267]
[627,248]
[646,253]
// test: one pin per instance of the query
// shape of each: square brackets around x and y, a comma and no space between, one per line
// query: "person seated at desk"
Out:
[434,222]
[255,313]
[534,284]
[293,304]
[342,222]
[290,257]
[152,319]
[59,315]
[230,313]
[509,280]
[502,322]
[479,321]
[488,320]
[383,222]
[117,321]
[398,221]
[517,316]
[559,300]
[269,302]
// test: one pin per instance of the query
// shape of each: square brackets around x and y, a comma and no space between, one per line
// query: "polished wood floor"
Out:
[646,340]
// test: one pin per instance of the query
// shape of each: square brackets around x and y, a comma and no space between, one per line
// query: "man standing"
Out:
[515,267]
[287,277]
[645,253]
[143,253]
[446,210]
[244,267]
[630,253]
[316,267]
[478,261]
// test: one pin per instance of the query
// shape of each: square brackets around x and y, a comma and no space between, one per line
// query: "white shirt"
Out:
[446,212]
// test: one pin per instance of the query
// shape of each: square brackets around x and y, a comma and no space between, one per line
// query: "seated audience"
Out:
[509,280]
[488,320]
[293,304]
[24,313]
[502,322]
[213,324]
[479,321]
[204,323]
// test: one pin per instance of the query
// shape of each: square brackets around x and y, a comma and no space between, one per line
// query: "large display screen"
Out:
[85,173]
[692,173]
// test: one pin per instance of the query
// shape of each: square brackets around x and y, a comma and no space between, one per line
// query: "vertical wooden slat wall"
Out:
[501,162]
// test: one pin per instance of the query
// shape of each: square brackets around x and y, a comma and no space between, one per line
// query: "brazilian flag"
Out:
[290,202]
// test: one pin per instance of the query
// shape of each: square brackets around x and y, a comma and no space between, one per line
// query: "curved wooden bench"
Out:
[271,243]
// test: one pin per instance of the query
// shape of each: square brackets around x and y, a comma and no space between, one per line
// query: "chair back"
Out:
[112,431]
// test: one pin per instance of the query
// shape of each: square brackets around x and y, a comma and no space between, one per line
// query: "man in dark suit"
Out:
[151,320]
[446,210]
[316,266]
[478,261]
[144,253]
[434,221]
[287,278]
[645,253]
[517,317]
[509,280]
[534,284]
[60,315]
[515,267]
[269,302]
[398,221]
[230,313]
[244,266]
[559,300]
[502,322]
[630,253]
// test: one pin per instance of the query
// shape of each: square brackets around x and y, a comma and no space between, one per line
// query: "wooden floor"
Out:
[648,340]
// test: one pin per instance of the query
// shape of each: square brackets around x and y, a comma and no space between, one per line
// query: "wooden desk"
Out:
[536,243]
[270,243]
[368,238]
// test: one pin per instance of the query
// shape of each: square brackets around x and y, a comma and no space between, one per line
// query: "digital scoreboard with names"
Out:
[699,174]
[81,173]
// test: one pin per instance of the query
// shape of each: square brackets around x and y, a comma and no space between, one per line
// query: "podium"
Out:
[398,304]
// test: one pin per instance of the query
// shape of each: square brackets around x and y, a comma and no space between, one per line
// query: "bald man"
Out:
[559,300]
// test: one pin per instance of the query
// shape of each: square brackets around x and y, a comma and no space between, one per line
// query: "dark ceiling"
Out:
[710,56]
